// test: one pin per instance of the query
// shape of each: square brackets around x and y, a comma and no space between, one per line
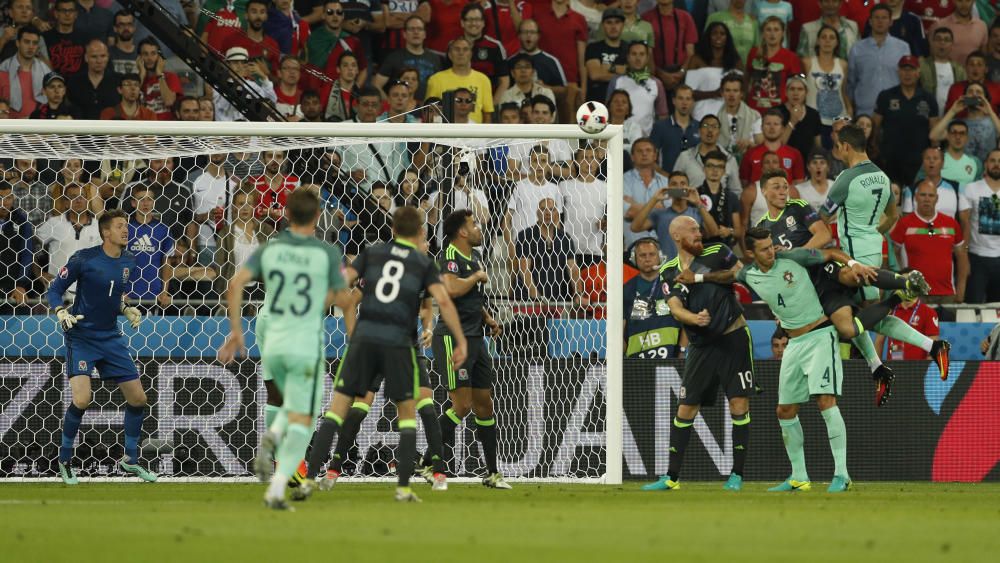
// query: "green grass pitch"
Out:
[903,522]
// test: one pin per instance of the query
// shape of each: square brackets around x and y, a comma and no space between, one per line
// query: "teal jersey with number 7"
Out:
[861,193]
[297,272]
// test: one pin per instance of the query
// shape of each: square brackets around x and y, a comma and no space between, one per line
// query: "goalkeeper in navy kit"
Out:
[93,341]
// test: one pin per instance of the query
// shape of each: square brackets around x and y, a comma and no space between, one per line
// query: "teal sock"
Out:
[270,413]
[894,327]
[837,432]
[290,452]
[791,434]
[864,344]
[279,424]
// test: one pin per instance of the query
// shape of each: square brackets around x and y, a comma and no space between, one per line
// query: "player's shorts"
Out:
[869,292]
[811,366]
[365,362]
[727,362]
[476,372]
[300,380]
[425,381]
[832,294]
[108,355]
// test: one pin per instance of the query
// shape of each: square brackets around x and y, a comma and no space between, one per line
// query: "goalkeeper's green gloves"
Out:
[132,314]
[67,320]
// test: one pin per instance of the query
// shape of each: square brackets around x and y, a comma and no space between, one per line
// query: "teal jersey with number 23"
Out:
[297,272]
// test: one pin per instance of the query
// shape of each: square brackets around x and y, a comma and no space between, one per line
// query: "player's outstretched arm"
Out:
[450,317]
[234,344]
[426,322]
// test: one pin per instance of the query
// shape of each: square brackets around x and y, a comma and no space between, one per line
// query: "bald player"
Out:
[720,353]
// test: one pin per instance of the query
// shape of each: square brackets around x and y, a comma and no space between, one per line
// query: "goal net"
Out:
[202,196]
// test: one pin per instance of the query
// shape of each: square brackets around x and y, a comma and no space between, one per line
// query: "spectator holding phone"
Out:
[685,200]
[981,120]
[159,87]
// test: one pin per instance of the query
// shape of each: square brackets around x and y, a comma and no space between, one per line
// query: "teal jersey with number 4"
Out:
[787,287]
[861,193]
[297,272]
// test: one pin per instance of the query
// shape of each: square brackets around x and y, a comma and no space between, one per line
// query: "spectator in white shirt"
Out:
[64,234]
[212,192]
[523,205]
[585,200]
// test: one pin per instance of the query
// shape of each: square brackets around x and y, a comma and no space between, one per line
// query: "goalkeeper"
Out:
[93,340]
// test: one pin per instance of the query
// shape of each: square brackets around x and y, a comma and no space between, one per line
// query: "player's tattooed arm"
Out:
[491,323]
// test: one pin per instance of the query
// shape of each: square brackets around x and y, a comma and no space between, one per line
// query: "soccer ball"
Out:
[592,117]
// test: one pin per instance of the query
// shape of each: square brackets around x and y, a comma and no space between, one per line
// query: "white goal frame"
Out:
[613,134]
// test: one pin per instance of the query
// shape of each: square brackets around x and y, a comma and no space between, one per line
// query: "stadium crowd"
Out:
[711,93]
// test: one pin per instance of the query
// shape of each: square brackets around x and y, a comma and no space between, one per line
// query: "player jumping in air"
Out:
[302,279]
[102,275]
[470,388]
[720,352]
[794,224]
[811,366]
[862,195]
[393,277]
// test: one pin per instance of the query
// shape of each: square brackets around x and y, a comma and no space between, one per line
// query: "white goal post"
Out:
[29,357]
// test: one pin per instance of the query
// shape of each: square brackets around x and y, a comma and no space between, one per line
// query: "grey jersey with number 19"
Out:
[393,277]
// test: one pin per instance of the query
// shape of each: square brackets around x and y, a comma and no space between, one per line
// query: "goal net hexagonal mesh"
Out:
[202,197]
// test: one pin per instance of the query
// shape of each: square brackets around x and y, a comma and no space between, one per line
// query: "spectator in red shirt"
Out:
[130,107]
[930,238]
[273,188]
[159,87]
[976,67]
[768,67]
[675,34]
[929,11]
[790,159]
[253,38]
[224,23]
[287,90]
[564,35]
[919,316]
[502,19]
[25,93]
[445,23]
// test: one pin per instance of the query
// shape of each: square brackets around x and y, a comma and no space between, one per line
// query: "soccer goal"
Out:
[202,196]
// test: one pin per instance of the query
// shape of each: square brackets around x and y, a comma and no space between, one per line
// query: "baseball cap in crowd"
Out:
[51,77]
[237,54]
[909,60]
[520,57]
[819,154]
[129,76]
[613,14]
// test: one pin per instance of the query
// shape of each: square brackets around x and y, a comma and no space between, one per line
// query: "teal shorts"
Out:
[300,380]
[811,366]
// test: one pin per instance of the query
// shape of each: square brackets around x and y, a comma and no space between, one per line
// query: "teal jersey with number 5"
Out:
[787,287]
[861,193]
[297,272]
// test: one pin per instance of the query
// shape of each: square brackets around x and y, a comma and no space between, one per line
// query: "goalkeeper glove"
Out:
[66,319]
[132,314]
